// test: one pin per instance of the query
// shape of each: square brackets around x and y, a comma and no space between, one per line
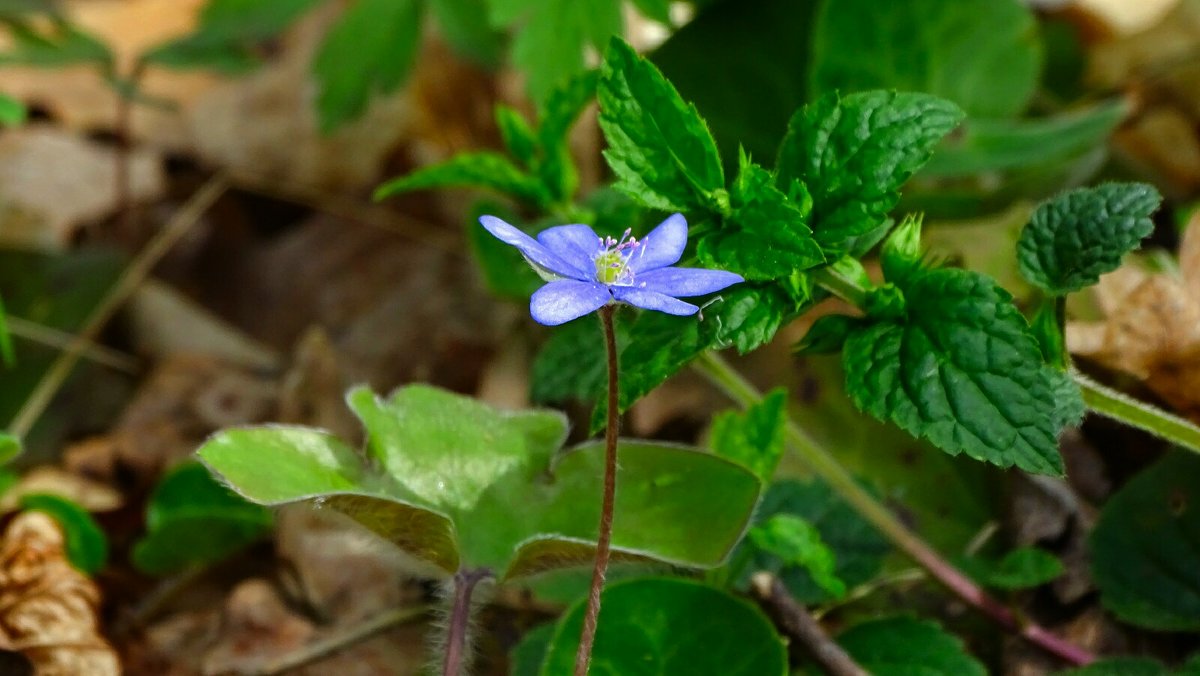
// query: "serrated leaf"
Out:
[1074,238]
[953,50]
[827,334]
[86,544]
[658,146]
[10,447]
[1069,406]
[191,520]
[229,35]
[572,364]
[516,133]
[726,636]
[469,170]
[752,438]
[12,111]
[552,35]
[903,646]
[901,255]
[556,116]
[854,154]
[961,370]
[458,484]
[766,236]
[1145,551]
[795,542]
[368,52]
[857,548]
[1021,568]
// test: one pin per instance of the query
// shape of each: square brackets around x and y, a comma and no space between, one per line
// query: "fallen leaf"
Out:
[47,608]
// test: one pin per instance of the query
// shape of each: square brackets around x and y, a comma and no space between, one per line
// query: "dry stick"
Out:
[833,473]
[61,340]
[126,284]
[460,619]
[604,542]
[801,626]
[323,648]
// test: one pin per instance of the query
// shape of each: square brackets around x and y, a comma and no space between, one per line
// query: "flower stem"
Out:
[460,618]
[843,483]
[1121,407]
[604,541]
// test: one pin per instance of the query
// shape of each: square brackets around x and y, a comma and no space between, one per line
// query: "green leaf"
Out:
[506,273]
[1019,569]
[982,54]
[641,634]
[1074,238]
[858,549]
[753,438]
[470,170]
[1069,406]
[527,657]
[901,255]
[191,520]
[1119,666]
[86,544]
[464,25]
[369,51]
[8,355]
[854,154]
[1145,550]
[53,44]
[658,10]
[10,447]
[572,364]
[12,111]
[766,236]
[553,34]
[905,646]
[658,146]
[458,484]
[229,35]
[827,334]
[795,542]
[556,116]
[960,369]
[516,133]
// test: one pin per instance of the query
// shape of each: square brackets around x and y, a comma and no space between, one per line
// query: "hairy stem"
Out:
[1121,407]
[604,541]
[840,480]
[795,620]
[126,284]
[460,619]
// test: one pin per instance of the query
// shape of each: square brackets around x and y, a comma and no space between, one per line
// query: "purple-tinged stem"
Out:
[591,618]
[460,619]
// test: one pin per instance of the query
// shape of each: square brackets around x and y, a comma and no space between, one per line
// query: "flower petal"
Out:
[533,251]
[566,299]
[662,247]
[686,281]
[575,244]
[652,300]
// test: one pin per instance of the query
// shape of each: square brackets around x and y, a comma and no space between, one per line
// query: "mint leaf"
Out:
[229,35]
[1074,238]
[1145,553]
[552,35]
[827,334]
[766,236]
[516,133]
[982,54]
[369,51]
[753,438]
[901,646]
[854,153]
[556,116]
[725,635]
[901,255]
[572,365]
[1021,568]
[86,543]
[658,146]
[469,170]
[960,369]
[796,542]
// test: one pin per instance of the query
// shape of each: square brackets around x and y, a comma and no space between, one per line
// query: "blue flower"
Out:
[586,272]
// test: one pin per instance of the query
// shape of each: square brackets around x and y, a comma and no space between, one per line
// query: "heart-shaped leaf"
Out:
[459,485]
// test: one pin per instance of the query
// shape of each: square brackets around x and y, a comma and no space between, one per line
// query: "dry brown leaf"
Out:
[257,625]
[91,495]
[1151,329]
[47,607]
[1163,141]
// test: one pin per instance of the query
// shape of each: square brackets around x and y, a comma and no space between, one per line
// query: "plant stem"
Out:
[840,480]
[1121,407]
[460,619]
[840,285]
[126,284]
[795,620]
[604,541]
[332,644]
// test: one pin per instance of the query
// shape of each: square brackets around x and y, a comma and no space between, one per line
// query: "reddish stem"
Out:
[460,618]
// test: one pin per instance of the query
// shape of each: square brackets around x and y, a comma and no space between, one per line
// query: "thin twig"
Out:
[795,620]
[323,648]
[604,542]
[824,465]
[126,284]
[61,340]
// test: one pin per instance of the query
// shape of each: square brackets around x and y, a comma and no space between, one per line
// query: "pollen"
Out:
[612,261]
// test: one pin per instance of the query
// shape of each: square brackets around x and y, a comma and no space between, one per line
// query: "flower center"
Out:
[612,262]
